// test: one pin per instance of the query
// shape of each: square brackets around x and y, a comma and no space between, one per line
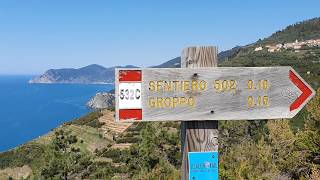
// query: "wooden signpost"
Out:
[222,93]
[199,138]
[200,92]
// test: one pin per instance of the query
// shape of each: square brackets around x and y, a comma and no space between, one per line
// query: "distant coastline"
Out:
[91,74]
[31,110]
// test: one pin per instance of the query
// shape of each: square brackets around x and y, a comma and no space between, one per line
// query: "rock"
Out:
[102,101]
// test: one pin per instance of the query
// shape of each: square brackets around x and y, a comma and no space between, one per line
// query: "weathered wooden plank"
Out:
[221,93]
[198,136]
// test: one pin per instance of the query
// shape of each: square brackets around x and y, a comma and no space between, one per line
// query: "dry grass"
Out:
[16,173]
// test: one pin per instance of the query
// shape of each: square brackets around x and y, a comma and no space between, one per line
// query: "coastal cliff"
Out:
[101,101]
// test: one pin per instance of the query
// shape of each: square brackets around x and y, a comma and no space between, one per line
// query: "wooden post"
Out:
[198,136]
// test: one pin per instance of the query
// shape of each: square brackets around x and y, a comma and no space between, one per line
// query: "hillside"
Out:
[102,148]
[97,74]
[95,147]
[304,58]
[306,62]
[305,30]
[92,74]
[226,55]
[173,63]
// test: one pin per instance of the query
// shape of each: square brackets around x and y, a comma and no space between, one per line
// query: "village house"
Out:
[297,47]
[293,45]
[258,48]
[311,42]
[273,49]
[288,45]
[279,46]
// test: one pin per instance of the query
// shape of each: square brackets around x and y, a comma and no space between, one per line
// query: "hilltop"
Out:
[301,31]
[298,50]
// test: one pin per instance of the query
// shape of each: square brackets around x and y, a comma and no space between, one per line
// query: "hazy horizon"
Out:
[36,36]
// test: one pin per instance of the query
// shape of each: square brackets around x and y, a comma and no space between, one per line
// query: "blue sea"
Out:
[28,111]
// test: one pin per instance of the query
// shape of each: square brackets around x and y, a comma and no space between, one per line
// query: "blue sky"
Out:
[39,35]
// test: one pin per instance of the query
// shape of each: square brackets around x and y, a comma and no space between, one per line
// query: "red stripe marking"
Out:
[130,75]
[133,114]
[306,91]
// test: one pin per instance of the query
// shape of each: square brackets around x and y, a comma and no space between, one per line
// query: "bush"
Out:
[111,153]
[128,140]
[90,119]
[25,154]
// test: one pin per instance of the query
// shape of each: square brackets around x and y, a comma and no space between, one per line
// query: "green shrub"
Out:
[128,140]
[25,154]
[90,119]
[111,153]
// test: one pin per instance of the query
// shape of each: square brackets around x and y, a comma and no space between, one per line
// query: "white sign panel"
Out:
[129,95]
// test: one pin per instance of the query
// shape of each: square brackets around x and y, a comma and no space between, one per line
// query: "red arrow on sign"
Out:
[306,91]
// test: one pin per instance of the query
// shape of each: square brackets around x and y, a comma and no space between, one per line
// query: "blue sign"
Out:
[203,165]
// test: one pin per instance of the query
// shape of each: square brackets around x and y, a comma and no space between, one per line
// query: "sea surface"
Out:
[28,111]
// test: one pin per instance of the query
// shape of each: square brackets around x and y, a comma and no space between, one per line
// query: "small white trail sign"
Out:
[220,93]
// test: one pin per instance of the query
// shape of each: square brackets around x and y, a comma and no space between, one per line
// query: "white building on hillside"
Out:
[297,47]
[258,48]
[279,46]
